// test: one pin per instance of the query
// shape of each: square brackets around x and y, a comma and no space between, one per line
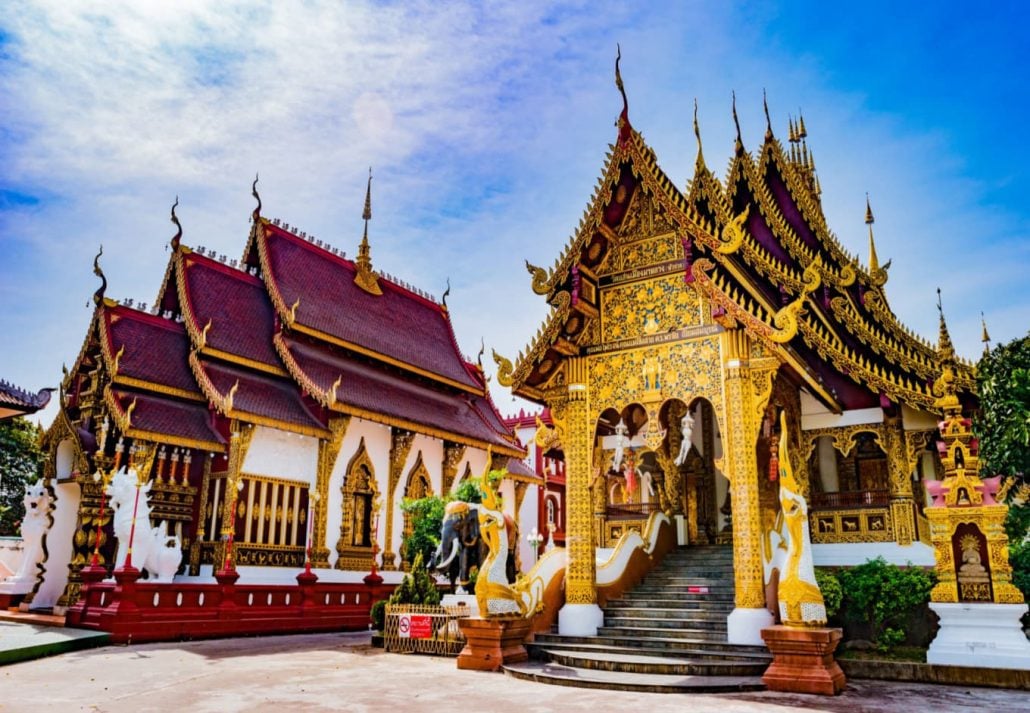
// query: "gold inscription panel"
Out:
[647,308]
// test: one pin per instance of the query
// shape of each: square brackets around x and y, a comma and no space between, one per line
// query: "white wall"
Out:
[280,454]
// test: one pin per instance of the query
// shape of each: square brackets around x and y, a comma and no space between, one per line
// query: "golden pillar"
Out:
[899,471]
[570,410]
[328,451]
[747,385]
[400,446]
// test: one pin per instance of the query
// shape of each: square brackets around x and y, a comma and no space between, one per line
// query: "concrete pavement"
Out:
[323,672]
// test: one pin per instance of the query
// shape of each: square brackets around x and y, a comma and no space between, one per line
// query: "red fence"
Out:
[133,611]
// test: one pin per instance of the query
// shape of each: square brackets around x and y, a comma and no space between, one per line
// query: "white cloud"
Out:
[486,128]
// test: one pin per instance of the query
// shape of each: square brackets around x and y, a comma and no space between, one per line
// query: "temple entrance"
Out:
[668,463]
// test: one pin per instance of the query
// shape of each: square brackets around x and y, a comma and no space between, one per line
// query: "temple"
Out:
[682,322]
[254,395]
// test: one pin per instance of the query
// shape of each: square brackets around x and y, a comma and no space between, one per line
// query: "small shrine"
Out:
[979,607]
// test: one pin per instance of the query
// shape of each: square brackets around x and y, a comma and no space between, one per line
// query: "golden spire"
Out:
[366,277]
[986,338]
[945,388]
[874,263]
[802,131]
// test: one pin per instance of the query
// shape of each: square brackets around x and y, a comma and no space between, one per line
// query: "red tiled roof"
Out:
[261,394]
[378,391]
[399,325]
[521,471]
[156,349]
[168,417]
[241,316]
[15,401]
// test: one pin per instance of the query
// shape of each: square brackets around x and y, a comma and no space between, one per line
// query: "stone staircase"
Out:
[668,635]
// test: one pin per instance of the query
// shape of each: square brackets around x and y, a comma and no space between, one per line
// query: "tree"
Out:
[427,519]
[20,463]
[1003,383]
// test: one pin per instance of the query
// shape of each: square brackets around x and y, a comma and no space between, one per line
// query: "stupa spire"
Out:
[874,262]
[366,277]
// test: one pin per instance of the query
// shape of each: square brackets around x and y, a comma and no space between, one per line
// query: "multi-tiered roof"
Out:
[284,338]
[758,246]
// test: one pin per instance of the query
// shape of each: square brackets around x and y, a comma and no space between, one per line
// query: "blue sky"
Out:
[487,126]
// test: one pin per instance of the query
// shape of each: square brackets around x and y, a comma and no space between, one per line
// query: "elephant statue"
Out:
[461,548]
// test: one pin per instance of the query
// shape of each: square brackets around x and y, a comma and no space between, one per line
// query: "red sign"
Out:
[421,626]
[693,589]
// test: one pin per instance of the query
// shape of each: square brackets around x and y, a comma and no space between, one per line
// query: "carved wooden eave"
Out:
[123,421]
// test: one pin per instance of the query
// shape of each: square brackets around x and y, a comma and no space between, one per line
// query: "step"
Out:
[683,646]
[708,652]
[638,662]
[695,634]
[674,609]
[673,620]
[656,683]
[687,579]
[675,590]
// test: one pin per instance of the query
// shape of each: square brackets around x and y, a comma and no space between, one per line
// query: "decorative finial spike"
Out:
[446,292]
[367,214]
[736,121]
[482,348]
[175,219]
[986,338]
[802,131]
[253,192]
[623,121]
[98,296]
[768,121]
[869,220]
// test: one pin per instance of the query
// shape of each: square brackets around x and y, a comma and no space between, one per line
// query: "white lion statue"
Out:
[33,526]
[153,549]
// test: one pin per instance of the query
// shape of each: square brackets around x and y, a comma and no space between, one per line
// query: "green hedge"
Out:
[881,602]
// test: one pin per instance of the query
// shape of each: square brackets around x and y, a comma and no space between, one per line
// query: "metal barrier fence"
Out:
[424,629]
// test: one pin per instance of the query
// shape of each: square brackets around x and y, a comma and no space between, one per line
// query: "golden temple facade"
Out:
[683,322]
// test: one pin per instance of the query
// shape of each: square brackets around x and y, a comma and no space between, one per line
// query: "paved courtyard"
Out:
[342,672]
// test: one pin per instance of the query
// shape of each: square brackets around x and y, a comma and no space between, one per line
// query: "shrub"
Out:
[884,596]
[833,594]
[378,615]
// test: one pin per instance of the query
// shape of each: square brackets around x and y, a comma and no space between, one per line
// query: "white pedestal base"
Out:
[14,585]
[580,619]
[981,635]
[744,626]
[681,530]
[467,601]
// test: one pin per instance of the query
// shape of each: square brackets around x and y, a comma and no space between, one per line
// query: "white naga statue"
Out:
[790,550]
[495,596]
[33,526]
[153,549]
[621,441]
[686,430]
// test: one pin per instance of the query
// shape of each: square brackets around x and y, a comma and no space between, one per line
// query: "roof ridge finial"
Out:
[736,122]
[175,219]
[443,300]
[944,344]
[986,338]
[253,192]
[98,296]
[623,120]
[366,277]
[697,134]
[874,262]
[768,121]
[802,131]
